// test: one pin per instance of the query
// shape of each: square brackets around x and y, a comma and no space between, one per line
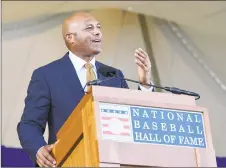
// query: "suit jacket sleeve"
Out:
[33,121]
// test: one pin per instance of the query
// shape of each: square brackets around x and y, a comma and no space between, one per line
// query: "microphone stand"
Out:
[169,89]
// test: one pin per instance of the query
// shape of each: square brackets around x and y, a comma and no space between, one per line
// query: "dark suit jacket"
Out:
[53,93]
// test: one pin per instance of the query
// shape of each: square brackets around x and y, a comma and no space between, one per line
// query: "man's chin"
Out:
[96,51]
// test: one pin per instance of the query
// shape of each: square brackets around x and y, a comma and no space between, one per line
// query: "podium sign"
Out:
[153,125]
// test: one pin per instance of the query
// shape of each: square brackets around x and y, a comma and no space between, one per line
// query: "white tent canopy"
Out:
[205,16]
[190,54]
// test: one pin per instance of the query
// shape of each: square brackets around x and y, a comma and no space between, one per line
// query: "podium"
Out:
[116,127]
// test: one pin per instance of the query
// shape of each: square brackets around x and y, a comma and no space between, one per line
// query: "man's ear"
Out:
[70,38]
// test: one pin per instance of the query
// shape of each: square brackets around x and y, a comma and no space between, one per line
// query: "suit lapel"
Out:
[70,77]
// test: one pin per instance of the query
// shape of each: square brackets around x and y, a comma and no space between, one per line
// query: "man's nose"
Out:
[97,32]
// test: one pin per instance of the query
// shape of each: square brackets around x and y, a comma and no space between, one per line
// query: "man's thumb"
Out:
[50,147]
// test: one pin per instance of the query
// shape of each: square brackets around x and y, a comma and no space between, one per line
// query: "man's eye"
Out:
[89,27]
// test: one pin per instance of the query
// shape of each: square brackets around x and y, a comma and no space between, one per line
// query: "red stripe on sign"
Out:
[122,133]
[105,125]
[108,118]
[126,126]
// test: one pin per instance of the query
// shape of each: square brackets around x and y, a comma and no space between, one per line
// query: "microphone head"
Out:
[93,82]
[107,71]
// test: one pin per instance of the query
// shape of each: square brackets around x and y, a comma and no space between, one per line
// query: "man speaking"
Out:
[56,89]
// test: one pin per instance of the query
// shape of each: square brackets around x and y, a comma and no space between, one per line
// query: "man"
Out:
[56,89]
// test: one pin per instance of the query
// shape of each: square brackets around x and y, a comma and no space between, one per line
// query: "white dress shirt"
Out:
[80,68]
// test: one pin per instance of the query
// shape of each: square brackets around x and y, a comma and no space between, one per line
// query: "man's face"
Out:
[88,37]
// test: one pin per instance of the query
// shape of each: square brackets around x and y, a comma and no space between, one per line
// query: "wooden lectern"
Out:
[97,133]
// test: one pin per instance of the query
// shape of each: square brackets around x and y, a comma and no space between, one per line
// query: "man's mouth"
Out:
[96,41]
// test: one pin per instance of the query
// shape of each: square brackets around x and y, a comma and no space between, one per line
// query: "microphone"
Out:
[180,91]
[108,71]
[96,82]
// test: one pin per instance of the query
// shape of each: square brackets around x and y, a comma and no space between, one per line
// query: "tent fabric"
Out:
[178,68]
[188,53]
[204,16]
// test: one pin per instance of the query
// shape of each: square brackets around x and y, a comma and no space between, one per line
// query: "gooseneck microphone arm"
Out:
[111,73]
[130,80]
[169,89]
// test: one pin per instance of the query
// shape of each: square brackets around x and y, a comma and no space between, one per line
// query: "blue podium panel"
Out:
[153,125]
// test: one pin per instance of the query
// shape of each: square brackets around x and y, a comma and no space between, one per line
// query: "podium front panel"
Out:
[128,130]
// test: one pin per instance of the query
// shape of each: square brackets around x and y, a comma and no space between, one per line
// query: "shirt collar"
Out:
[79,63]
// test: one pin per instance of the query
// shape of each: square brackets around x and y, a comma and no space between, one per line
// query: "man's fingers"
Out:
[46,158]
[49,158]
[141,59]
[41,163]
[142,51]
[140,54]
[38,162]
[139,63]
[44,161]
[143,54]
